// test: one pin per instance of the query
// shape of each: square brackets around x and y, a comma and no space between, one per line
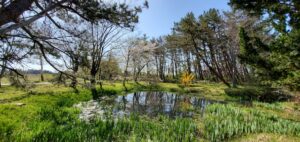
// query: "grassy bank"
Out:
[46,113]
[43,115]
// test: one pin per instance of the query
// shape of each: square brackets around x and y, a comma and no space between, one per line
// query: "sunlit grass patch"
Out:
[265,137]
[227,121]
[7,92]
[125,129]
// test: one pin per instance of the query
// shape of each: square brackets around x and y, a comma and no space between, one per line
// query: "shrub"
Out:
[65,102]
[175,90]
[103,92]
[248,93]
[186,79]
[192,90]
[264,94]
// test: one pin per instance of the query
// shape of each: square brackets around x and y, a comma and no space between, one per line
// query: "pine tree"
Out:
[276,62]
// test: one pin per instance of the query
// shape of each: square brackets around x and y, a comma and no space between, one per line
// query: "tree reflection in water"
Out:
[144,103]
[159,103]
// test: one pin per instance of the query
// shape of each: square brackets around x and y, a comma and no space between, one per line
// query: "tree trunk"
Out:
[93,87]
[126,72]
[74,79]
[188,61]
[216,73]
[42,68]
[199,68]
[2,72]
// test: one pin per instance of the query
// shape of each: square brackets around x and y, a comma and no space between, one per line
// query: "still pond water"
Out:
[144,103]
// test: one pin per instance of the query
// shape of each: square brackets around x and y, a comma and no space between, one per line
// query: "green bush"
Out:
[103,92]
[107,92]
[264,94]
[175,90]
[65,102]
[251,93]
[192,90]
[226,121]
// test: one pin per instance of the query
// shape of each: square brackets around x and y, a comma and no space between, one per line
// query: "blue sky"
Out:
[159,18]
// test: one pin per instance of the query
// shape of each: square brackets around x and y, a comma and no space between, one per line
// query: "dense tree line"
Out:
[207,46]
[255,42]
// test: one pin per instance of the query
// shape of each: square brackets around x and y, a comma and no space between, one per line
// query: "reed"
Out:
[226,121]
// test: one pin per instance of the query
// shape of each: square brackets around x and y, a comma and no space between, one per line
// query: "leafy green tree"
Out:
[276,62]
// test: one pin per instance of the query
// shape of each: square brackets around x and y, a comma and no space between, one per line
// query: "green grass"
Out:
[15,119]
[48,113]
[227,121]
[51,117]
[265,137]
[32,78]
[24,123]
[37,78]
[11,93]
[126,129]
[287,110]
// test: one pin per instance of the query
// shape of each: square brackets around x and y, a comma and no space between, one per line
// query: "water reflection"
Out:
[146,103]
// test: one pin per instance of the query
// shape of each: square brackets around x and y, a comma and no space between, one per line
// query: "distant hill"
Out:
[38,72]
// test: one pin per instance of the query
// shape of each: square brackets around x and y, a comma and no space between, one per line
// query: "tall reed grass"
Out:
[226,121]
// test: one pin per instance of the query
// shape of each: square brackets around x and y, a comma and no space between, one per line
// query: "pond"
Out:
[144,103]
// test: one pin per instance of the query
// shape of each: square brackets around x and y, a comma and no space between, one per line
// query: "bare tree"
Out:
[127,53]
[12,52]
[22,18]
[99,42]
